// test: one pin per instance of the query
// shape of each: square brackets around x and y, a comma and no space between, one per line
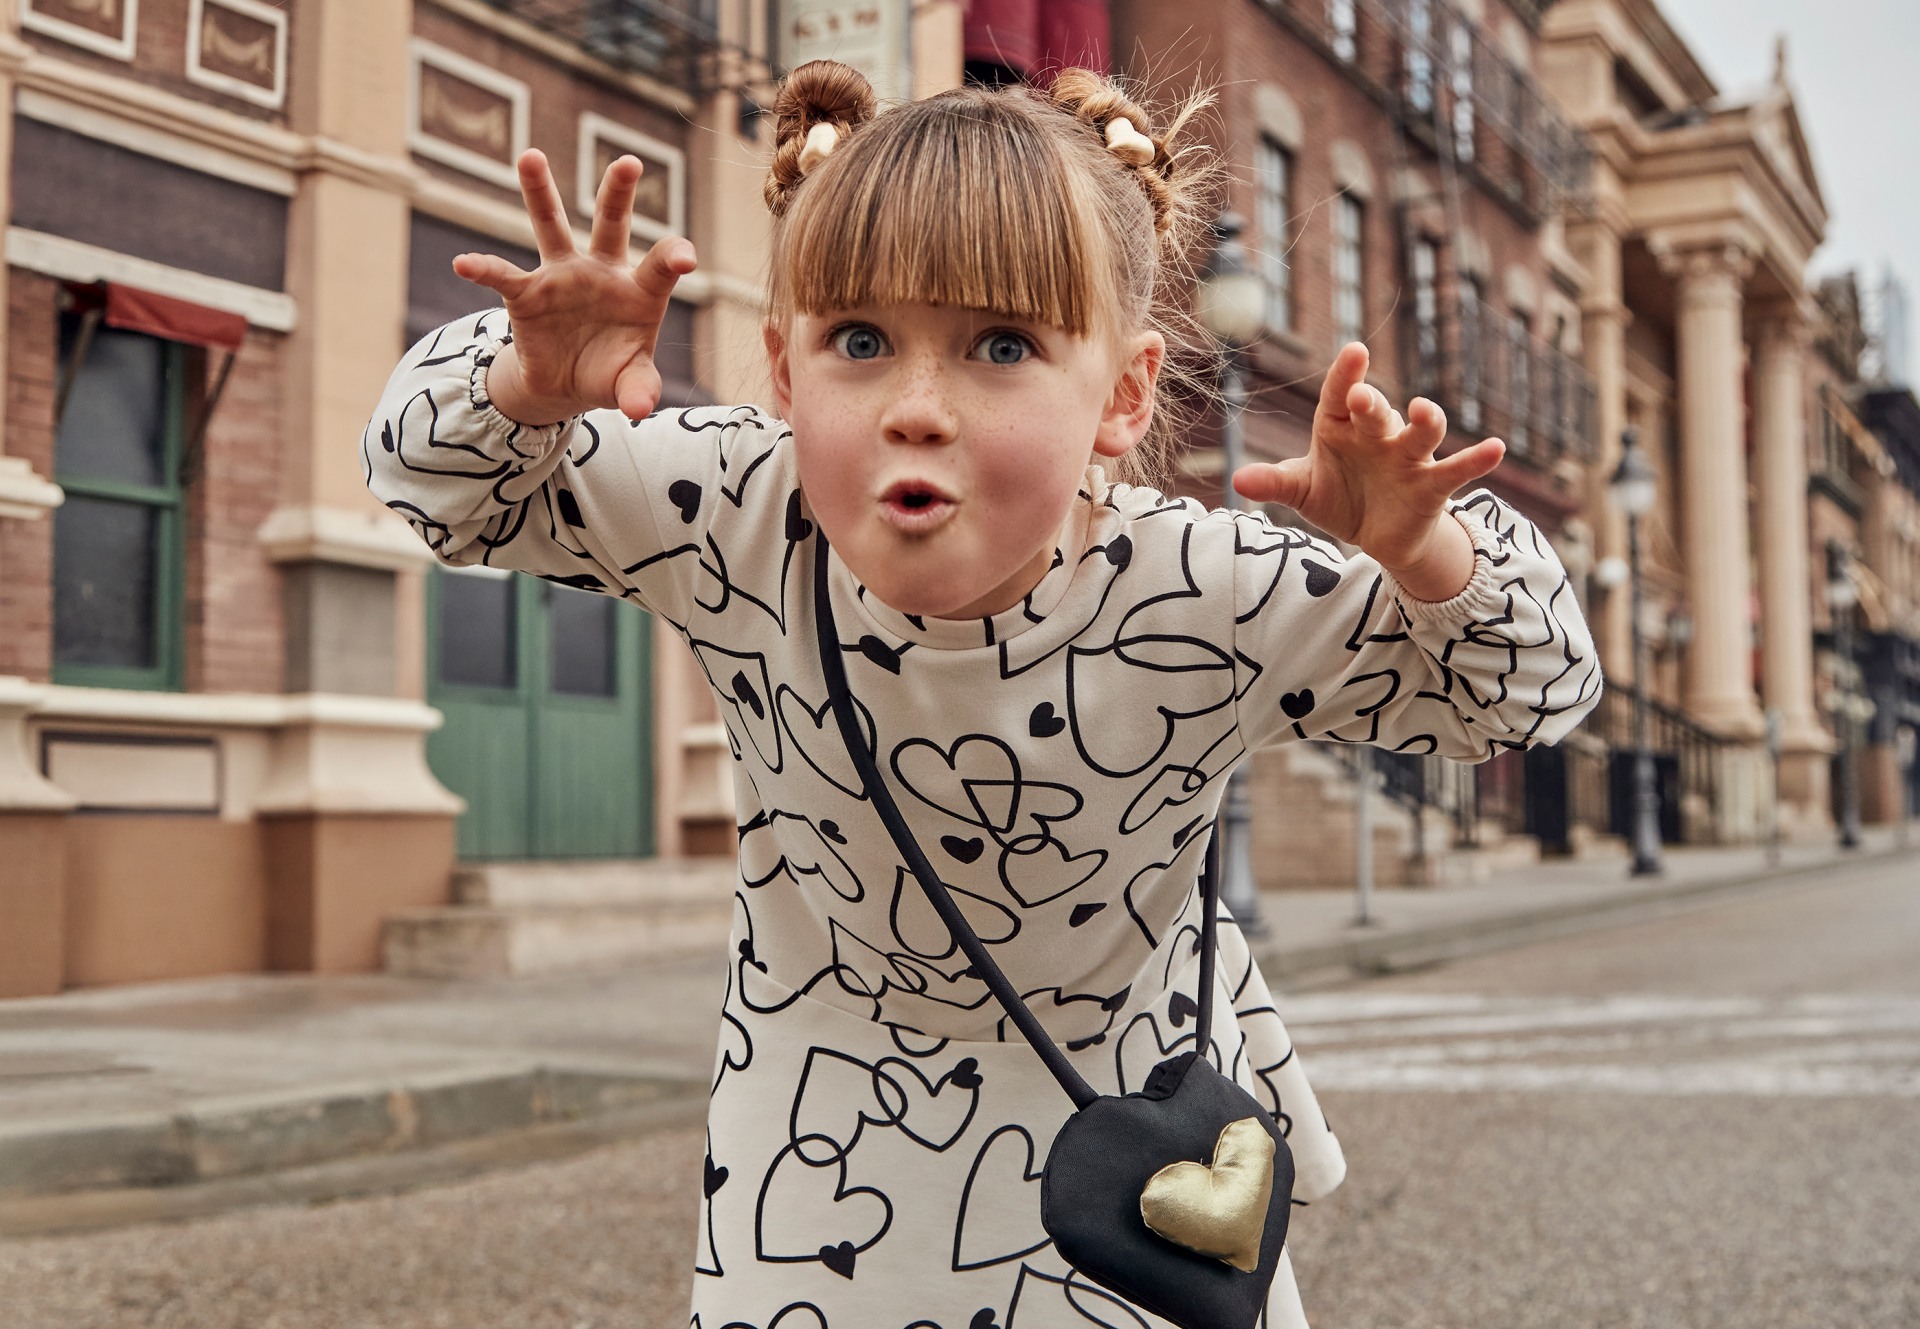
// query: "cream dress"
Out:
[877,1126]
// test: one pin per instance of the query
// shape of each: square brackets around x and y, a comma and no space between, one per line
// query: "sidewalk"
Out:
[176,1098]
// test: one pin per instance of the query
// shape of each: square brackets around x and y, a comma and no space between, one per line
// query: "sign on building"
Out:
[870,35]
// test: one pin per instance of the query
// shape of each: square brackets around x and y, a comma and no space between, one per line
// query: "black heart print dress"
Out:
[876,1126]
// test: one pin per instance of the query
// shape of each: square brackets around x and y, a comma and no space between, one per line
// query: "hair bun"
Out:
[818,92]
[1096,101]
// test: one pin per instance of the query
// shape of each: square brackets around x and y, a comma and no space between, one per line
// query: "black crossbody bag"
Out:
[1177,1196]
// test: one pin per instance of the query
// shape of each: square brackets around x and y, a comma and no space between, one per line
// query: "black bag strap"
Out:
[841,696]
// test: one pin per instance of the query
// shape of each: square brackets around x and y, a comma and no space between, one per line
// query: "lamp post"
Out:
[1633,494]
[1842,596]
[1230,301]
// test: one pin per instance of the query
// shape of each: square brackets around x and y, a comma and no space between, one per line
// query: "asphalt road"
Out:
[1708,1120]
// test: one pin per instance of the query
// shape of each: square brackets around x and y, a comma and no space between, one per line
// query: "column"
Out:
[1603,334]
[33,813]
[355,827]
[938,46]
[1780,462]
[1713,473]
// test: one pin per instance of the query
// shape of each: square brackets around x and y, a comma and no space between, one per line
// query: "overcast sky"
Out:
[1854,67]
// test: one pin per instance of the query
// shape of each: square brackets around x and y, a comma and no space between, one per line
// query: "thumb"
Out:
[1283,482]
[637,390]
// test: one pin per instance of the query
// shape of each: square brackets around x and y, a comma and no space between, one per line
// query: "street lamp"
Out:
[1634,492]
[1842,596]
[1230,301]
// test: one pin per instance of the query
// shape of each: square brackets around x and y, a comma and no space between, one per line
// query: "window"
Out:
[1520,380]
[479,628]
[1426,308]
[1344,19]
[1419,58]
[1462,59]
[117,540]
[1470,304]
[1349,304]
[1275,178]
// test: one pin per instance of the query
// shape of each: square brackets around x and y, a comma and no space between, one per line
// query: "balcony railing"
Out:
[1493,378]
[1453,91]
[671,40]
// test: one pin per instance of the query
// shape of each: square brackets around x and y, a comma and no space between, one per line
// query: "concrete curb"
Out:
[224,1141]
[1394,950]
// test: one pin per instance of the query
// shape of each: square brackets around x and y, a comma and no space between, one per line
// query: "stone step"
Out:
[487,941]
[595,881]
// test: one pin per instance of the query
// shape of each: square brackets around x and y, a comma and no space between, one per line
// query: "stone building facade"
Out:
[230,738]
[1402,173]
[1704,212]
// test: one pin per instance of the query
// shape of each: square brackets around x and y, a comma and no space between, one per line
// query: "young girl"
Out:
[1055,671]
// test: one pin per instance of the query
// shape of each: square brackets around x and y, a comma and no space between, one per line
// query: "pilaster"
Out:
[1780,460]
[1708,301]
[1604,319]
[354,824]
[33,838]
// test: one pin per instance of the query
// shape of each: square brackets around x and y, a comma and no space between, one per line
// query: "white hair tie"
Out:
[1128,143]
[822,139]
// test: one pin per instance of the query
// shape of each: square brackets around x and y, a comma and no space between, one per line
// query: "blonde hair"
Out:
[1005,200]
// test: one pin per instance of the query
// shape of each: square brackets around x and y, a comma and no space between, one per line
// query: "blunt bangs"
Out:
[952,201]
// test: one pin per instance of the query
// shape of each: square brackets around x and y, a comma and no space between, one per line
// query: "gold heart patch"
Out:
[1220,1210]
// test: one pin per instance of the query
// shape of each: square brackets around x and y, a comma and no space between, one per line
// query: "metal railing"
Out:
[1689,761]
[671,40]
[1437,73]
[1529,392]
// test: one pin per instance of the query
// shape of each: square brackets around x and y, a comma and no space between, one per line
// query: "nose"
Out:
[922,412]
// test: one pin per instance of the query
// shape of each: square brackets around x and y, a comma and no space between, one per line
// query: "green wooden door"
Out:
[547,696]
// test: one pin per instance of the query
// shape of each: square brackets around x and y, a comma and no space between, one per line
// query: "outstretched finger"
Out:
[1469,464]
[1372,414]
[544,209]
[492,272]
[1348,370]
[1425,429]
[613,209]
[666,263]
[1283,482]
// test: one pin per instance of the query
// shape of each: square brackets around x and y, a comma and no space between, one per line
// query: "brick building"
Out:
[240,714]
[1403,175]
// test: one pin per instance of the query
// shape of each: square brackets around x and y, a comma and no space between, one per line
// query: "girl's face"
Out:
[941,448]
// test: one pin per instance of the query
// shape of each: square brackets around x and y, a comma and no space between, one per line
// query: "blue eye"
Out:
[857,341]
[1006,348]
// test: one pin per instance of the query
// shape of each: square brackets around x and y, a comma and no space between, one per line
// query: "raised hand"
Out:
[1370,478]
[584,325]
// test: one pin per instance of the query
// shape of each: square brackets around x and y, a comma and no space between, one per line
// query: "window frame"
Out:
[1343,29]
[1347,204]
[1465,118]
[1472,299]
[1519,380]
[1274,217]
[1423,267]
[168,640]
[1419,60]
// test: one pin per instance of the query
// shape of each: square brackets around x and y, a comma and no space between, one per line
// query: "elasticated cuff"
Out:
[1481,596]
[527,439]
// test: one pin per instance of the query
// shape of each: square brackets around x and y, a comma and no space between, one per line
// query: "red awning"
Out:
[1004,32]
[1075,33]
[136,310]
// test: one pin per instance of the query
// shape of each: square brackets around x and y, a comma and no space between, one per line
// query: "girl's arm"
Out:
[1455,631]
[1332,647]
[597,501]
[523,438]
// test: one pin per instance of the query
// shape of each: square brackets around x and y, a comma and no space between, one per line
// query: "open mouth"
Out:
[915,505]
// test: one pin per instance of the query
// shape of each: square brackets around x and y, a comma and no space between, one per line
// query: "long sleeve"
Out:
[598,502]
[1331,647]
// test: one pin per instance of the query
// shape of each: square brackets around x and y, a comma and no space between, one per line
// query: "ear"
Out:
[1129,409]
[782,373]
